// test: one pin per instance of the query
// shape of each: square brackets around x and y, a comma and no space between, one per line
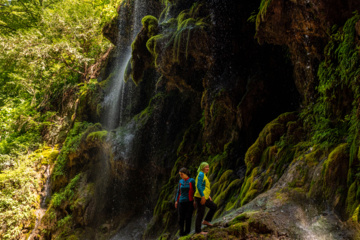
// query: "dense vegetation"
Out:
[49,49]
[52,51]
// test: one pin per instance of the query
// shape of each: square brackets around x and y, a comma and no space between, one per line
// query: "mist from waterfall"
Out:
[117,94]
[118,100]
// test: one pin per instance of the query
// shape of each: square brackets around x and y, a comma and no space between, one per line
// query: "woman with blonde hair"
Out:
[203,199]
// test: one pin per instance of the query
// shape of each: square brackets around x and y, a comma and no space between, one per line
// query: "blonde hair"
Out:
[202,165]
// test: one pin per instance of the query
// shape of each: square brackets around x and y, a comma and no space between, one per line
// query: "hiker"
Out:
[184,201]
[203,199]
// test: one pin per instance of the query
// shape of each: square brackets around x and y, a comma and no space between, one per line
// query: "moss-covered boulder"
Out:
[141,58]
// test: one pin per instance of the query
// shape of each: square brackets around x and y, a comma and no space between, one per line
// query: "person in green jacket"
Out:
[203,199]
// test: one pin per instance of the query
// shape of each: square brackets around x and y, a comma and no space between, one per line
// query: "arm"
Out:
[201,192]
[192,190]
[178,193]
[199,182]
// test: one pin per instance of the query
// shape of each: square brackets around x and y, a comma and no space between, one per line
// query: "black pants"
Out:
[185,215]
[201,212]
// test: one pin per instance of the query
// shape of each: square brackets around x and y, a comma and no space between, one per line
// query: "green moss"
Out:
[271,133]
[284,158]
[151,24]
[198,237]
[249,184]
[65,221]
[141,58]
[239,229]
[67,194]
[253,156]
[185,238]
[187,23]
[73,237]
[250,195]
[97,136]
[315,156]
[225,194]
[334,118]
[356,214]
[217,234]
[76,135]
[240,218]
[352,200]
[334,167]
[153,47]
[260,15]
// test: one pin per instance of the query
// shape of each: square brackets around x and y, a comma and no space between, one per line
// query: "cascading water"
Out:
[116,105]
[43,204]
[114,101]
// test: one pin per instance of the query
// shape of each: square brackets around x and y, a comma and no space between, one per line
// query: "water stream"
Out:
[114,102]
[45,193]
[116,105]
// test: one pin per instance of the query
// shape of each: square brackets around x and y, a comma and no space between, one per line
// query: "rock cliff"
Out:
[265,91]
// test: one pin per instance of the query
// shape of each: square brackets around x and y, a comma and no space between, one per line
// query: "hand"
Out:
[176,203]
[210,198]
[203,200]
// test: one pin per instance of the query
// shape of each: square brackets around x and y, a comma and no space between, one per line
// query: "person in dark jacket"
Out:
[184,201]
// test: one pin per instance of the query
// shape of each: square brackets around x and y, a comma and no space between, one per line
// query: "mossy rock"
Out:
[151,24]
[198,237]
[250,195]
[352,200]
[335,169]
[164,236]
[73,237]
[253,156]
[141,58]
[240,229]
[98,136]
[267,137]
[224,195]
[185,238]
[356,215]
[243,217]
[217,234]
[180,51]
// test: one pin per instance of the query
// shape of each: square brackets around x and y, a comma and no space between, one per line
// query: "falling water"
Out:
[43,205]
[115,115]
[114,102]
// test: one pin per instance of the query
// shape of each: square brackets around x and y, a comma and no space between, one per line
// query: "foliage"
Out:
[332,118]
[20,127]
[49,51]
[19,15]
[259,16]
[188,23]
[26,14]
[72,142]
[66,194]
[18,192]
[52,46]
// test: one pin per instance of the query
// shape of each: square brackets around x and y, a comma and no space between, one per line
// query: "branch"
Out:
[62,59]
[27,10]
[7,27]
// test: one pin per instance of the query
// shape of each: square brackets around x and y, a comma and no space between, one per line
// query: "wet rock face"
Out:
[250,84]
[118,31]
[303,26]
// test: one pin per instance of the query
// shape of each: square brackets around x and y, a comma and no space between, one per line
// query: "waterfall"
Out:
[114,102]
[117,102]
